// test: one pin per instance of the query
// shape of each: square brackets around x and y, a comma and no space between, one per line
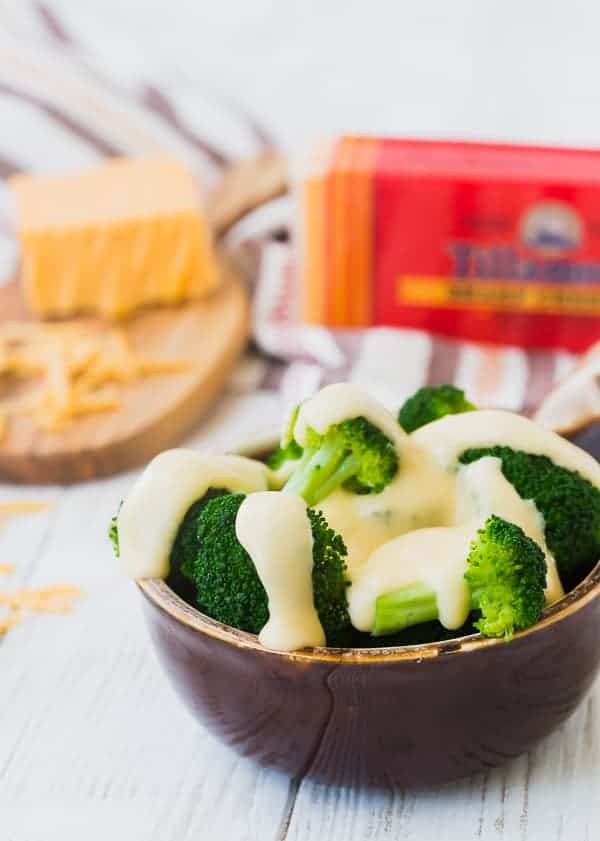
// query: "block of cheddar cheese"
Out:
[126,234]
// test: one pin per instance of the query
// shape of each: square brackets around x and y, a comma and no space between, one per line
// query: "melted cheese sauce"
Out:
[275,530]
[339,402]
[422,494]
[152,512]
[448,437]
[482,490]
[436,557]
[419,529]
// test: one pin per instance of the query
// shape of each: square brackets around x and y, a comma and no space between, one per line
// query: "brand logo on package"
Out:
[551,228]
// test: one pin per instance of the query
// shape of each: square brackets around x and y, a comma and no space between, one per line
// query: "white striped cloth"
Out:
[61,110]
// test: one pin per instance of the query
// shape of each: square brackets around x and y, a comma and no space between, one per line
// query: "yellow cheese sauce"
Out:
[450,436]
[153,510]
[421,494]
[483,490]
[274,529]
[436,557]
[341,401]
[419,529]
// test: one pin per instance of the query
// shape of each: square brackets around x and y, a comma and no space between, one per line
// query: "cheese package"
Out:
[123,235]
[476,241]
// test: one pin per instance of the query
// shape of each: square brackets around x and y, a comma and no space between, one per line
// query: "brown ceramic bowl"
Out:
[409,715]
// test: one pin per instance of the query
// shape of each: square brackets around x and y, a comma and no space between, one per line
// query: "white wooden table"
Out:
[94,744]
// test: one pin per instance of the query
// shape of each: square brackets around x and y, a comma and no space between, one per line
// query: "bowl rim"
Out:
[158,592]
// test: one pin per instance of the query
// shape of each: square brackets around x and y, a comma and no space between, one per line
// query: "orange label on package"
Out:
[476,241]
[552,299]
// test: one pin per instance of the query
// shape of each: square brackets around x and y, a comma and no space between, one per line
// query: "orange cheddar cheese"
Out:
[123,235]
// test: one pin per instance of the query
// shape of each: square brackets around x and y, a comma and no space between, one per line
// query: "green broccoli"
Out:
[181,549]
[113,535]
[353,453]
[506,572]
[430,403]
[283,455]
[289,450]
[569,504]
[226,584]
[184,546]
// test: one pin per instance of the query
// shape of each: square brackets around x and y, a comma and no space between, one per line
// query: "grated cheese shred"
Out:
[20,603]
[21,506]
[58,598]
[61,372]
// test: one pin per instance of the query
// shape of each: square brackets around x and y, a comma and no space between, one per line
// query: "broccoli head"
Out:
[184,546]
[226,585]
[507,576]
[430,403]
[569,504]
[506,573]
[354,454]
[330,581]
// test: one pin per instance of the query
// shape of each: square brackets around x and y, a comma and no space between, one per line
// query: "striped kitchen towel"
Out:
[61,108]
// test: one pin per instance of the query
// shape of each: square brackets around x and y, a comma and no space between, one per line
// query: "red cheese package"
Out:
[481,242]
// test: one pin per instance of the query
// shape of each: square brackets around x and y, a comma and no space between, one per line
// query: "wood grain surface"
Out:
[159,410]
[156,411]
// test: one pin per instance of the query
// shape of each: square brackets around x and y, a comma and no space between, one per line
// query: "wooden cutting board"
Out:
[157,412]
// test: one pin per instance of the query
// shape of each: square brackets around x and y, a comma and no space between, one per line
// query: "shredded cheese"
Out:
[57,373]
[20,603]
[21,506]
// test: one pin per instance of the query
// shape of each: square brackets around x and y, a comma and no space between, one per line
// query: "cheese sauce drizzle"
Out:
[419,529]
[274,529]
[436,557]
[152,512]
[483,490]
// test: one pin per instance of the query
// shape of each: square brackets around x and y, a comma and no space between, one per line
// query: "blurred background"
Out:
[212,83]
[473,68]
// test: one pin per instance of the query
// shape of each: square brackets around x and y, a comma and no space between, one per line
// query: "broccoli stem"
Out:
[404,608]
[321,471]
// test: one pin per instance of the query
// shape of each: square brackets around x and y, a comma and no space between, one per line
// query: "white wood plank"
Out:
[93,740]
[550,795]
[88,724]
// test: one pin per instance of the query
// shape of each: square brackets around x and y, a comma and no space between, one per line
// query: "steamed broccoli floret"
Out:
[569,504]
[226,584]
[353,453]
[329,580]
[430,403]
[507,576]
[506,572]
[185,545]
